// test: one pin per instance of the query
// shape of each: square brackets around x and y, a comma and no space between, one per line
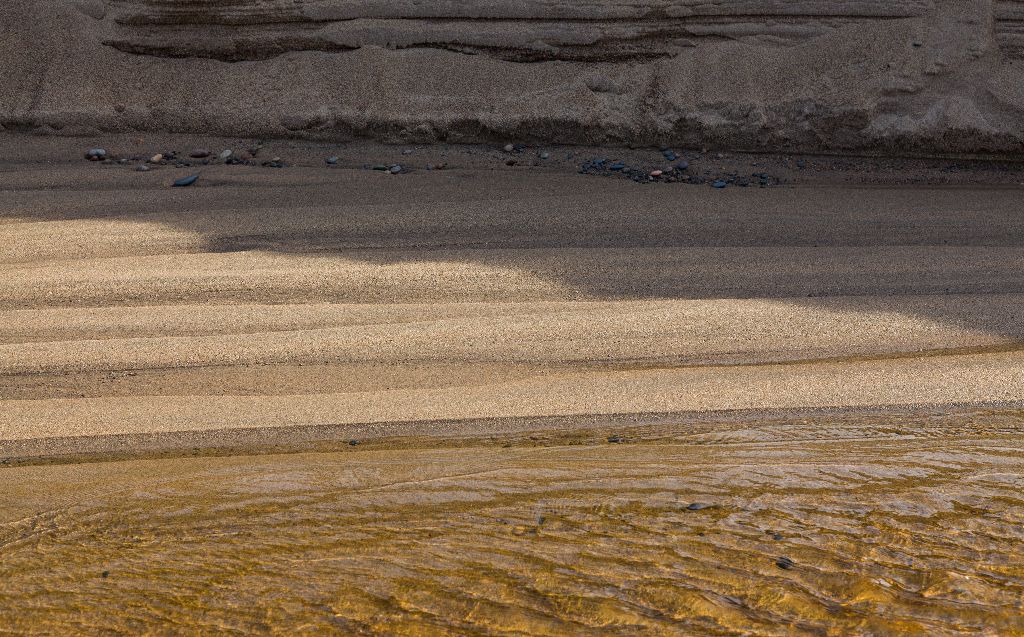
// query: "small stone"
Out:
[199,153]
[545,155]
[777,537]
[142,168]
[801,164]
[353,443]
[616,439]
[105,574]
[698,506]
[683,165]
[186,181]
[407,151]
[509,148]
[394,170]
[656,173]
[669,155]
[96,154]
[785,563]
[380,167]
[617,166]
[332,160]
[718,183]
[224,154]
[156,159]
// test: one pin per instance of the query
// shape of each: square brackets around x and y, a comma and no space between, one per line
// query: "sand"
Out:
[896,76]
[345,302]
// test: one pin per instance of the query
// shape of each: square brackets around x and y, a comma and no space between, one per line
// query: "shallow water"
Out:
[893,528]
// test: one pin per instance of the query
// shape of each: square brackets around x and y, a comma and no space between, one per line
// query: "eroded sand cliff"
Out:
[907,75]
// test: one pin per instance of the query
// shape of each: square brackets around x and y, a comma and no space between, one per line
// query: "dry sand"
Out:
[310,297]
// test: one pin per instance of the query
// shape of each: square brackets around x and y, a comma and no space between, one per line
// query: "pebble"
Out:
[545,155]
[224,154]
[353,443]
[785,563]
[395,169]
[683,165]
[698,506]
[669,155]
[407,152]
[509,148]
[718,183]
[96,154]
[656,173]
[617,166]
[156,159]
[186,181]
[332,160]
[616,439]
[142,168]
[801,164]
[199,153]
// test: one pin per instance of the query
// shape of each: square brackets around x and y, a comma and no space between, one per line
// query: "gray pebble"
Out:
[395,169]
[186,181]
[224,154]
[698,506]
[142,168]
[96,154]
[509,148]
[332,160]
[545,155]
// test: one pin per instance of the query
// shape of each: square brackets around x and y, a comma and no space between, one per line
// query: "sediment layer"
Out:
[854,75]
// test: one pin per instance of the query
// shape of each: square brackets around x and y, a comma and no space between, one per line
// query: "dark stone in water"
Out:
[186,181]
[698,506]
[785,563]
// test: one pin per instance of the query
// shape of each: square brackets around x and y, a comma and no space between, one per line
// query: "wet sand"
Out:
[892,526]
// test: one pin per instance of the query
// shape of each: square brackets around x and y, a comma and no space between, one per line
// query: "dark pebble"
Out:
[801,164]
[777,537]
[96,154]
[718,183]
[616,439]
[186,181]
[199,153]
[785,563]
[105,574]
[332,160]
[617,166]
[380,167]
[353,443]
[669,155]
[683,165]
[142,168]
[698,506]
